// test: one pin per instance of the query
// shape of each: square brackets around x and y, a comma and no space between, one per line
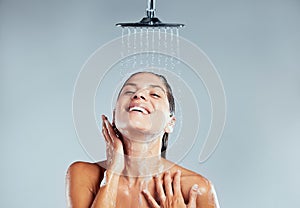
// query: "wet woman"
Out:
[136,174]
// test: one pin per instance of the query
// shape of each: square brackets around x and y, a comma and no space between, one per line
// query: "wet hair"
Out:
[171,101]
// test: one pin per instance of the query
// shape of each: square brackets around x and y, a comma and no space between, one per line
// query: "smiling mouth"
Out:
[139,109]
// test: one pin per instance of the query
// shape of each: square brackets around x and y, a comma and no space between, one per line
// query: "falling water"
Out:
[134,48]
[140,49]
[159,45]
[152,48]
[122,67]
[141,46]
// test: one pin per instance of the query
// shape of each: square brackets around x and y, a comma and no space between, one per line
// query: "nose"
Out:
[141,94]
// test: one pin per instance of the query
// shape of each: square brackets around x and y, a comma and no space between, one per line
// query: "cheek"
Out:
[160,117]
[119,114]
[158,120]
[118,111]
[163,107]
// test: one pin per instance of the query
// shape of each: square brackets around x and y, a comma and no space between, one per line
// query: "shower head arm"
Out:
[150,20]
[150,11]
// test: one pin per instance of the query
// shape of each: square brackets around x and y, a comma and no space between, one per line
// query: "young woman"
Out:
[136,174]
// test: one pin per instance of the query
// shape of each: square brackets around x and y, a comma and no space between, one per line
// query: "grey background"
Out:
[253,44]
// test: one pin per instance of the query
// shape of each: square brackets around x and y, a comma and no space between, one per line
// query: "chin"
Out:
[139,133]
[140,127]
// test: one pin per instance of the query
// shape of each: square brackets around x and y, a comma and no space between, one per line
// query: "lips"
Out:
[139,108]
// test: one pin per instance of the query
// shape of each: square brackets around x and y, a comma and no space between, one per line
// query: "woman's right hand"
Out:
[107,194]
[114,147]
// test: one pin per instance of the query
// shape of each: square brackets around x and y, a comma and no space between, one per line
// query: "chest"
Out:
[132,197]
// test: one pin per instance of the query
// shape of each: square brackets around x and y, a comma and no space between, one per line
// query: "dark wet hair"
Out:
[171,106]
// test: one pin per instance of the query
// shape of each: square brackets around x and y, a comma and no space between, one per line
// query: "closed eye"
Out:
[155,95]
[129,92]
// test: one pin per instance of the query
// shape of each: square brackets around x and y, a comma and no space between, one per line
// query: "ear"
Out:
[170,126]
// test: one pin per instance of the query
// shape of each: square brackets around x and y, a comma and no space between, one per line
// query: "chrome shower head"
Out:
[150,20]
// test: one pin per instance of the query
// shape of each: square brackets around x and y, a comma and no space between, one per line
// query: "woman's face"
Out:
[142,109]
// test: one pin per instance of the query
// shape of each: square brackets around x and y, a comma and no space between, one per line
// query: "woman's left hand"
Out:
[167,198]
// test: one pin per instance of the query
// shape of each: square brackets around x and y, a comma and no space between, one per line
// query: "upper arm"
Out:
[82,183]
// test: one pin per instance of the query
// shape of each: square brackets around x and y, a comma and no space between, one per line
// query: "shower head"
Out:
[150,20]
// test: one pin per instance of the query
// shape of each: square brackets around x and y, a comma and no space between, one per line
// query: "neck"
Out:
[142,159]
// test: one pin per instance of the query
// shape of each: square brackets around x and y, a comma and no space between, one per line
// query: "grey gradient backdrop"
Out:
[255,46]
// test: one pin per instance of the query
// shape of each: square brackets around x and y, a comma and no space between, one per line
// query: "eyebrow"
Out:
[151,85]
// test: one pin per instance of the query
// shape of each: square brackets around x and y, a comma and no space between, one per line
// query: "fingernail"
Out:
[178,171]
[195,187]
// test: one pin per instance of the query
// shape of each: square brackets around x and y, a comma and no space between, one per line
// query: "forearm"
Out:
[107,194]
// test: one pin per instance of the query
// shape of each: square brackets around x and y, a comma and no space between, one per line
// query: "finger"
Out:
[168,184]
[160,189]
[105,130]
[176,184]
[110,130]
[151,201]
[193,196]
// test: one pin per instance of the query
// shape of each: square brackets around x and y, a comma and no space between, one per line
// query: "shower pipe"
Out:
[150,20]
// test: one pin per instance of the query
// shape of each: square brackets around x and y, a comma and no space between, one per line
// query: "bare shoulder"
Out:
[188,177]
[85,174]
[206,192]
[82,183]
[83,169]
[194,178]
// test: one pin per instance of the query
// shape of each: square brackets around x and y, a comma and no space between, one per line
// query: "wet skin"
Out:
[84,183]
[142,116]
